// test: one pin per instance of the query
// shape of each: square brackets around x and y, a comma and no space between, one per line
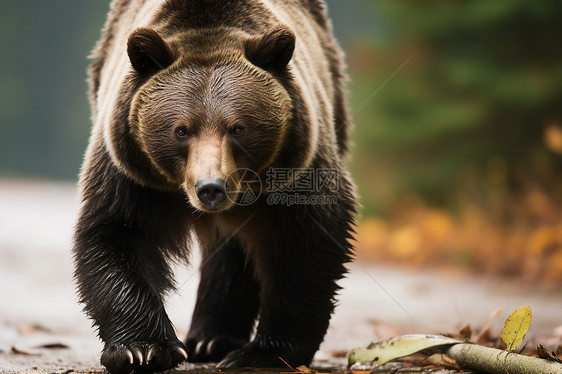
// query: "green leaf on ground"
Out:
[399,346]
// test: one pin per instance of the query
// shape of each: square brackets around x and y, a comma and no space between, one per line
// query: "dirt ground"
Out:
[42,329]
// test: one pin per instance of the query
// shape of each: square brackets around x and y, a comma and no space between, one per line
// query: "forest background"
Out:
[458,123]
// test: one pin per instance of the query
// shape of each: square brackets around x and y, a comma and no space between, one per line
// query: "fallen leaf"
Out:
[466,332]
[546,354]
[32,329]
[483,335]
[398,346]
[439,359]
[516,326]
[17,351]
[53,346]
[338,353]
[305,369]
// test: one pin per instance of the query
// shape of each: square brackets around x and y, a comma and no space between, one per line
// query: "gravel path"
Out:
[38,305]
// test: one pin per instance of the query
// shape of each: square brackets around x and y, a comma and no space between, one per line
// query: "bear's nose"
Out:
[211,191]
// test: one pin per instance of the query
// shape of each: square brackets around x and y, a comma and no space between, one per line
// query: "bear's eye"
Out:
[236,131]
[181,132]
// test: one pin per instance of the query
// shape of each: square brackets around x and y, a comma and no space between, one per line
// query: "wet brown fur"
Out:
[206,66]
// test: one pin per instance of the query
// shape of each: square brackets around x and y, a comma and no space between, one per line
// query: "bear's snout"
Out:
[211,192]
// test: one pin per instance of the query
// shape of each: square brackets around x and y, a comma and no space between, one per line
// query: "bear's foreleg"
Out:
[124,238]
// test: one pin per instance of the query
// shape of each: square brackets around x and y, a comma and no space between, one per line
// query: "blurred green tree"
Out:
[44,115]
[478,87]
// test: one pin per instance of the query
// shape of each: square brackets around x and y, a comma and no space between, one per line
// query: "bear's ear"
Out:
[273,50]
[148,52]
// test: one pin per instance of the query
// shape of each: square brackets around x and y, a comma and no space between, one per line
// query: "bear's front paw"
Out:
[213,349]
[143,357]
[262,355]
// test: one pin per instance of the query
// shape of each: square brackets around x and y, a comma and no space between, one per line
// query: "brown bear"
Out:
[218,124]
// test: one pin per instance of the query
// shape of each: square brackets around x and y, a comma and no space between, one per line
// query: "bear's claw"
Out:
[130,355]
[182,352]
[138,354]
[142,357]
[212,349]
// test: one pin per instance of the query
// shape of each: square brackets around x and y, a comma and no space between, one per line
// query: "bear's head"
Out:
[204,116]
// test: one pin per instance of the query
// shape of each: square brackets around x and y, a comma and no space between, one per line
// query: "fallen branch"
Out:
[467,355]
[491,360]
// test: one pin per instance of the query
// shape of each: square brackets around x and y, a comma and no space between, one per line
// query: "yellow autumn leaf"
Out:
[516,326]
